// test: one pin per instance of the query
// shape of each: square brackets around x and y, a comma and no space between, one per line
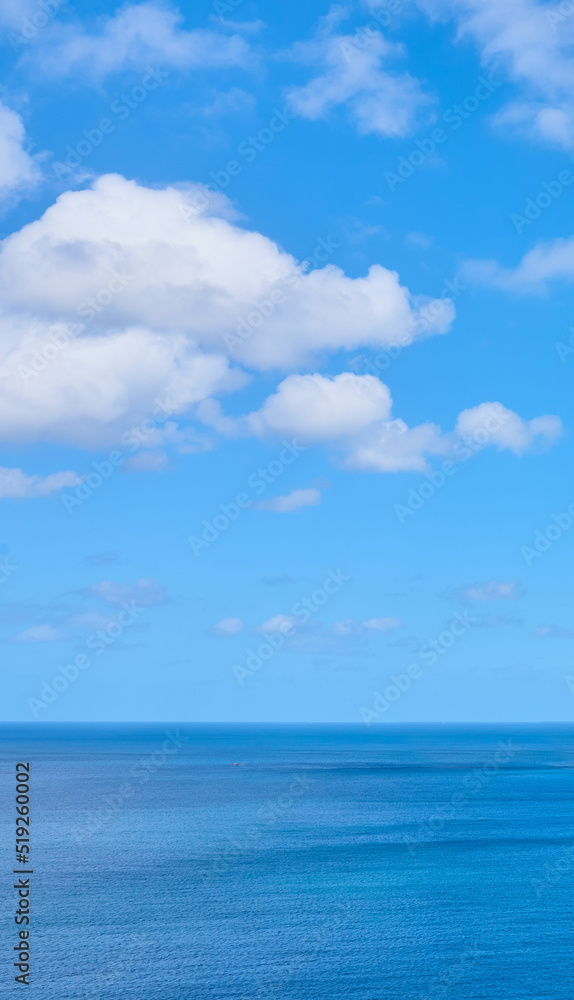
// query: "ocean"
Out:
[188,862]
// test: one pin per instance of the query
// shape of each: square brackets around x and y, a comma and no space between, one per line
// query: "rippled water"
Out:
[331,863]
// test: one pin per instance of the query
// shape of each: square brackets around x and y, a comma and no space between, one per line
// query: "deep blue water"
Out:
[337,862]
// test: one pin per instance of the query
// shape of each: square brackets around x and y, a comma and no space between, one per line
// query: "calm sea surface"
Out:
[333,863]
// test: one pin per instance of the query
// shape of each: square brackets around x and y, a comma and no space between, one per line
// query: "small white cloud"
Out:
[496,621]
[292,501]
[39,633]
[355,73]
[552,260]
[418,240]
[382,624]
[492,590]
[319,408]
[553,632]
[147,461]
[233,101]
[16,485]
[227,627]
[280,623]
[505,429]
[136,37]
[147,592]
[352,626]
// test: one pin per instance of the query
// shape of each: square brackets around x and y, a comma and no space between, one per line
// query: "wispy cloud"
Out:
[531,42]
[39,633]
[102,559]
[553,632]
[373,626]
[17,485]
[358,77]
[227,627]
[292,501]
[147,592]
[491,590]
[134,37]
[496,621]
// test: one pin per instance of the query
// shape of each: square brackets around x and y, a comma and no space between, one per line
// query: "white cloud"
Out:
[146,591]
[13,12]
[142,292]
[133,37]
[509,431]
[532,46]
[420,240]
[19,171]
[39,633]
[227,627]
[16,485]
[491,590]
[162,285]
[382,624]
[354,73]
[280,623]
[147,461]
[318,408]
[353,412]
[292,501]
[548,261]
[100,384]
[553,632]
[497,621]
[374,626]
[188,270]
[392,446]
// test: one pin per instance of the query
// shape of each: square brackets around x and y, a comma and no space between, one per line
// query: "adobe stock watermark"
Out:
[425,320]
[59,340]
[302,611]
[473,784]
[110,805]
[31,26]
[546,537]
[549,193]
[257,481]
[382,16]
[121,107]
[97,643]
[249,149]
[565,350]
[556,15]
[133,438]
[454,117]
[429,652]
[471,445]
[223,7]
[554,872]
[266,817]
[263,309]
[6,570]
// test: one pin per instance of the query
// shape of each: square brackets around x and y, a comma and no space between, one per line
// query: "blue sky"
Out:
[286,308]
